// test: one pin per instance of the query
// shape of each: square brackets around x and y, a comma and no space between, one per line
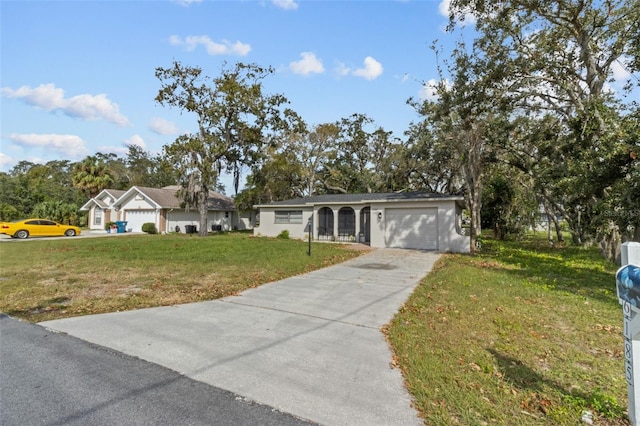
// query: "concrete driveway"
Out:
[310,345]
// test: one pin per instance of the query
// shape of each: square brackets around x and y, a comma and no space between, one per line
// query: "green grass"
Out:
[49,279]
[519,334]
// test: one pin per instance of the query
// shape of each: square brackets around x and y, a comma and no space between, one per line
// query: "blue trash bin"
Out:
[122,226]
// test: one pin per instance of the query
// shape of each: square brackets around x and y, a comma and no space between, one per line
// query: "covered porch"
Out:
[343,223]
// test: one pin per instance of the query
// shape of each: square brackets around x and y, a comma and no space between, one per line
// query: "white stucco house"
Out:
[161,206]
[415,220]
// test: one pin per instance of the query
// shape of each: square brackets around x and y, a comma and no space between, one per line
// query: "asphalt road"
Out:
[49,378]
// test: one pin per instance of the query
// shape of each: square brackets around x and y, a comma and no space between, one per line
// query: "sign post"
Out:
[310,230]
[628,289]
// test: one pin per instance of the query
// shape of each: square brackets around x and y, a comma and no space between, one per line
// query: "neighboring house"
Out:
[544,219]
[101,209]
[161,206]
[416,220]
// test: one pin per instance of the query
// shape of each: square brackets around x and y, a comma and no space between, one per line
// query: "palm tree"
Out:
[91,176]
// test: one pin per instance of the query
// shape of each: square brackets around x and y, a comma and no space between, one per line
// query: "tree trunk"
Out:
[203,208]
[474,208]
[553,216]
[609,242]
[473,176]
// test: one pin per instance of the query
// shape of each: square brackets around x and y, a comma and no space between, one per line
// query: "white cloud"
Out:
[5,160]
[213,48]
[372,69]
[161,126]
[70,145]
[286,4]
[619,70]
[342,70]
[121,151]
[135,140]
[445,7]
[87,107]
[307,65]
[429,91]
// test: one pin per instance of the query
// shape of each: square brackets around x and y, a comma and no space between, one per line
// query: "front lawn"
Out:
[50,279]
[520,334]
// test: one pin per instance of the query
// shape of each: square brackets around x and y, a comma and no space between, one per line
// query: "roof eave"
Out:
[360,202]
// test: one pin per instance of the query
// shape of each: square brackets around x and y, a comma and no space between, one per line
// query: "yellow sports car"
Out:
[37,228]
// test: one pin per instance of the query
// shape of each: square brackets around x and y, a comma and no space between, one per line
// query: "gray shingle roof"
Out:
[361,198]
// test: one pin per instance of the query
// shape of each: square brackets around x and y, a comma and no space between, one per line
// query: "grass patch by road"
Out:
[520,334]
[51,279]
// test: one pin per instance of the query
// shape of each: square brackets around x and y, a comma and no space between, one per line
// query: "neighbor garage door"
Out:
[412,228]
[135,219]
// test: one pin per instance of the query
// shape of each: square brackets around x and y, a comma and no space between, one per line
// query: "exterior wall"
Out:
[91,216]
[268,227]
[163,221]
[450,235]
[245,220]
[377,226]
[106,198]
[108,215]
[181,218]
[138,203]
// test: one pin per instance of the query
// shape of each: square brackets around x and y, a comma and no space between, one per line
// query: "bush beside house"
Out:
[149,228]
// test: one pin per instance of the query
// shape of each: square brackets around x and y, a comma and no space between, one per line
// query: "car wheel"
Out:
[69,233]
[22,234]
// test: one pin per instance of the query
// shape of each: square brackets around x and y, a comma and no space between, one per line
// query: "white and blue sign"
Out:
[628,285]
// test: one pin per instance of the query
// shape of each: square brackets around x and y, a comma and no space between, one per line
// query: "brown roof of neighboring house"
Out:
[115,193]
[166,198]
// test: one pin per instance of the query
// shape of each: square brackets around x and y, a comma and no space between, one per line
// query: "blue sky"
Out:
[77,77]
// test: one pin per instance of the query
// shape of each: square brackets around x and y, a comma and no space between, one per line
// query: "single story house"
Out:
[415,220]
[161,206]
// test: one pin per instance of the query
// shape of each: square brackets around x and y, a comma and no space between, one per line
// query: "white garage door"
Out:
[136,218]
[412,228]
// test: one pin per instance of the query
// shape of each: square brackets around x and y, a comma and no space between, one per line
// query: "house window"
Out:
[97,217]
[288,216]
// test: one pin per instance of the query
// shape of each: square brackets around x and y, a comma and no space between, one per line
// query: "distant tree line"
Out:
[57,189]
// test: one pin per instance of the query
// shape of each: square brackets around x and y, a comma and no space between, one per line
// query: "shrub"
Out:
[8,213]
[149,228]
[284,235]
